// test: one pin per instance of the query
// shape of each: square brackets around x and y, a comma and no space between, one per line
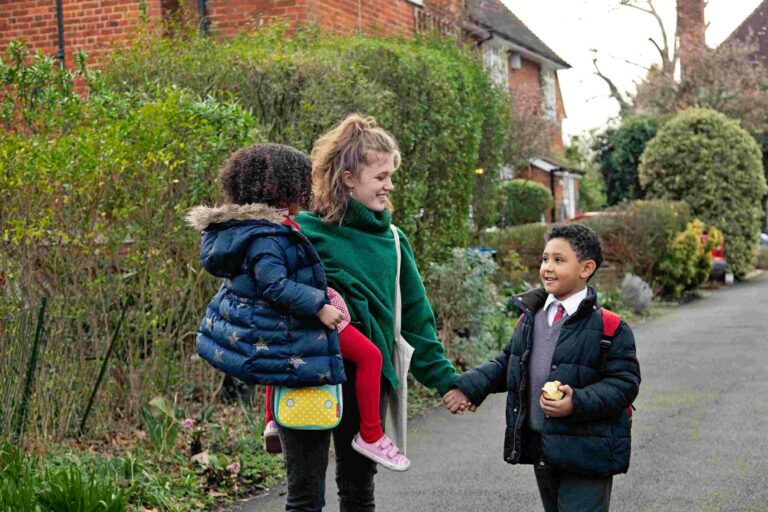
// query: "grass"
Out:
[127,473]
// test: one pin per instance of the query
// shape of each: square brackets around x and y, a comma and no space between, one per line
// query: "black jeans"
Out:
[566,492]
[306,461]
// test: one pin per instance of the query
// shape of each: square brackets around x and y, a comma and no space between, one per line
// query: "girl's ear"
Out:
[348,179]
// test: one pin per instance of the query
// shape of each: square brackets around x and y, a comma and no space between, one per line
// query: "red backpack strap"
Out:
[611,323]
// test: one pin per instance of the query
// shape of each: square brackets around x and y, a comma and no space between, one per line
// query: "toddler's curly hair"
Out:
[270,173]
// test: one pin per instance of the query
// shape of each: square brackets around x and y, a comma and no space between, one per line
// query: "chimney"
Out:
[690,30]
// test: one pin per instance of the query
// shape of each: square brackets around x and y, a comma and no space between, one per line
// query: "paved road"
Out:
[700,432]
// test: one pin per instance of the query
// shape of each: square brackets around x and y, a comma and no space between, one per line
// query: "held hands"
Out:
[330,316]
[457,402]
[558,408]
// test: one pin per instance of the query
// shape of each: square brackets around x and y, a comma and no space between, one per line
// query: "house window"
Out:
[549,92]
[569,199]
[495,62]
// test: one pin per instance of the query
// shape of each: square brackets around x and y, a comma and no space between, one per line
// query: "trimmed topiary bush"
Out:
[523,202]
[707,160]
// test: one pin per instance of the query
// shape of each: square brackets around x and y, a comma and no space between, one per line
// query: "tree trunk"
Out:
[690,31]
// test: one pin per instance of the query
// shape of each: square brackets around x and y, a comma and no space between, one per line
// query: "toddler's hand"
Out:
[330,316]
[457,402]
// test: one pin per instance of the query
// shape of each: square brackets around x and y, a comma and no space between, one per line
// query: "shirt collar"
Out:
[571,304]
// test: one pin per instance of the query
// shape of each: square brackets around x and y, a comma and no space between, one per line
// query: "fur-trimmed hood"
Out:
[200,217]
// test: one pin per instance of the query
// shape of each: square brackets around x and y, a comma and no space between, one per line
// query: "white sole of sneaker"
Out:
[379,460]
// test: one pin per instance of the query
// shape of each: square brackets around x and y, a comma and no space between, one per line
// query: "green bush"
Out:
[94,218]
[618,154]
[703,158]
[470,315]
[635,235]
[299,87]
[518,251]
[688,262]
[523,202]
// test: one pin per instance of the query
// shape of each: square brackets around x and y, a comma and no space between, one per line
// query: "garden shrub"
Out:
[707,160]
[518,251]
[299,87]
[469,311]
[618,154]
[93,218]
[688,259]
[635,235]
[523,202]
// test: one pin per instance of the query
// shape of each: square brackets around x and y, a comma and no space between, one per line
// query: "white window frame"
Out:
[549,92]
[496,62]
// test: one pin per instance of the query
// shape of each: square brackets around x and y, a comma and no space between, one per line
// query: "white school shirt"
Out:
[571,304]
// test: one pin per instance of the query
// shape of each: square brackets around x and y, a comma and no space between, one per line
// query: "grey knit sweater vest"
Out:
[544,341]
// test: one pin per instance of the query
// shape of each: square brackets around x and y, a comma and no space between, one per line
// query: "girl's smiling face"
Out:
[561,272]
[373,184]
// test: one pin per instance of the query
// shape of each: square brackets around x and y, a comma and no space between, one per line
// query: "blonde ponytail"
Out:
[345,148]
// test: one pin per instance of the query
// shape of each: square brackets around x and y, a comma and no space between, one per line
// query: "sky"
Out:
[573,28]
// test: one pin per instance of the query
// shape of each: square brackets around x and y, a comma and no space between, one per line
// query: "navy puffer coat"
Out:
[595,439]
[262,325]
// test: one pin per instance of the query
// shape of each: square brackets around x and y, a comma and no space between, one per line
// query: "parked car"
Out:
[719,271]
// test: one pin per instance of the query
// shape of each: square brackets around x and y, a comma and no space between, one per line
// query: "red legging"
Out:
[363,353]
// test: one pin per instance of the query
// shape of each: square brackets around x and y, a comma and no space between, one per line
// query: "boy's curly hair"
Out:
[582,239]
[274,174]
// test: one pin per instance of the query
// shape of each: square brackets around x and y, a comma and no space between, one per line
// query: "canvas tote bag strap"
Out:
[398,298]
[397,412]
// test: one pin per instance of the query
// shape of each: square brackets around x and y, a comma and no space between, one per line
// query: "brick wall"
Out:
[228,17]
[525,84]
[89,25]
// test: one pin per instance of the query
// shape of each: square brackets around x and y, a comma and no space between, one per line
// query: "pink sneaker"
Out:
[382,451]
[272,439]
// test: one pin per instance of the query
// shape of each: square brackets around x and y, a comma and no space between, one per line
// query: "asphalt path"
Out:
[699,434]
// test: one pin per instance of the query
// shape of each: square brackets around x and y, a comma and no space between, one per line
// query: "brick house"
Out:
[516,56]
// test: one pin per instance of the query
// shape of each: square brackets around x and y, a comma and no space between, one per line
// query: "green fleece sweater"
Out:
[360,262]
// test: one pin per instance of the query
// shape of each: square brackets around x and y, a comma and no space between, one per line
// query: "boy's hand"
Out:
[330,316]
[457,402]
[558,408]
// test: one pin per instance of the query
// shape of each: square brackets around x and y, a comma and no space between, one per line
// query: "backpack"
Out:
[611,323]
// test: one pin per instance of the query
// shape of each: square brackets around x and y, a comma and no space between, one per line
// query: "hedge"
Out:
[707,160]
[93,218]
[434,96]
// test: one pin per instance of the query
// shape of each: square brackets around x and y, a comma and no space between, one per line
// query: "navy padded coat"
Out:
[595,439]
[262,325]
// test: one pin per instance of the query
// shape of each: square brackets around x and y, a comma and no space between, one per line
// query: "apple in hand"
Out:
[551,391]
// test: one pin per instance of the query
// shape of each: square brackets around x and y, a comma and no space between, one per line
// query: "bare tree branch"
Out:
[668,58]
[624,107]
